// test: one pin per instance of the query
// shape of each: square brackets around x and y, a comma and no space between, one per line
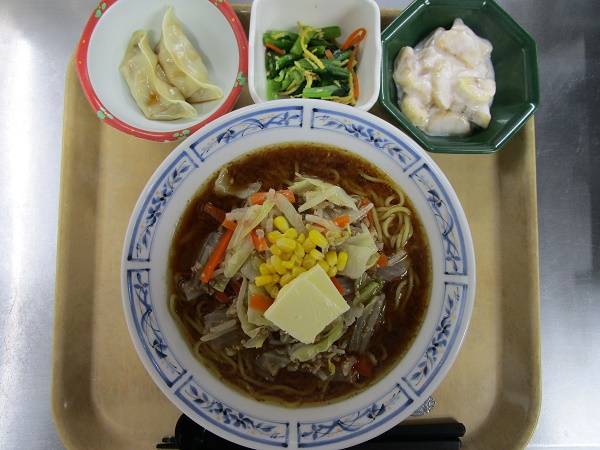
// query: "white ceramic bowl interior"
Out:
[347,14]
[164,351]
[218,38]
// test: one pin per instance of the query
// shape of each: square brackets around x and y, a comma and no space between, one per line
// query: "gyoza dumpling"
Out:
[182,63]
[148,84]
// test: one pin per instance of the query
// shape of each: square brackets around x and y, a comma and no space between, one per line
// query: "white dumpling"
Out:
[148,84]
[182,63]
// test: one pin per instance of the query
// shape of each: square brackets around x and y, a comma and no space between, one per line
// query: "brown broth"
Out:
[273,166]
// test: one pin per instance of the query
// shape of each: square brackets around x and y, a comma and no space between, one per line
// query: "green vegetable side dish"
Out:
[311,64]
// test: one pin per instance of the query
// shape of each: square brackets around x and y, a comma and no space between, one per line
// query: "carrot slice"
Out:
[350,68]
[355,37]
[258,198]
[260,302]
[217,256]
[260,243]
[337,285]
[276,49]
[328,54]
[341,221]
[364,367]
[382,260]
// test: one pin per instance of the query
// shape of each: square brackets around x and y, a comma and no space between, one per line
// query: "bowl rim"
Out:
[377,52]
[526,110]
[109,117]
[428,364]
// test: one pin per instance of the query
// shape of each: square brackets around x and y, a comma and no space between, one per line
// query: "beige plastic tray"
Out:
[102,397]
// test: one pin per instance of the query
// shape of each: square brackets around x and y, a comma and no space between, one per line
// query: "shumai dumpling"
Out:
[148,84]
[182,63]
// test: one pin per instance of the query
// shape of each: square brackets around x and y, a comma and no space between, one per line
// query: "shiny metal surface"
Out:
[37,39]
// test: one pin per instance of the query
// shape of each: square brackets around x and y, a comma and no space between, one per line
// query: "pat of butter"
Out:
[306,305]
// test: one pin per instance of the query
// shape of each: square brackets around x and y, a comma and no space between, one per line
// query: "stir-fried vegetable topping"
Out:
[303,266]
[310,64]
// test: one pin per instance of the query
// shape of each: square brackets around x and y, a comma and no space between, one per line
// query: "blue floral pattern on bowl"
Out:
[154,206]
[365,131]
[222,415]
[427,181]
[334,430]
[276,117]
[443,338]
[148,328]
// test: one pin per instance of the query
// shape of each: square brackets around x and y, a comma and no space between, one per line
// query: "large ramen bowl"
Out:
[224,410]
[213,29]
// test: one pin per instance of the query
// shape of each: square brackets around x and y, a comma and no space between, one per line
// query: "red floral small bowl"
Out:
[210,25]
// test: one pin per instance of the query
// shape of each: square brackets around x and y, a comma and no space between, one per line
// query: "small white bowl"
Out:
[211,26]
[347,14]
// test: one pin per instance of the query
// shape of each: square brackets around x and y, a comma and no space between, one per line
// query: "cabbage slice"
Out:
[309,351]
[317,191]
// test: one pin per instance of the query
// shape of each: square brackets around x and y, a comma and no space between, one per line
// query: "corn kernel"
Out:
[331,258]
[274,291]
[276,277]
[262,280]
[273,236]
[299,250]
[291,233]
[308,262]
[276,261]
[281,223]
[308,245]
[297,270]
[285,279]
[332,272]
[342,259]
[301,238]
[286,244]
[288,264]
[271,268]
[264,269]
[317,254]
[324,265]
[318,238]
[275,250]
[269,287]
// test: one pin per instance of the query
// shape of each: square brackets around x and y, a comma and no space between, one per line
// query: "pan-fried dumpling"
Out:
[148,84]
[182,63]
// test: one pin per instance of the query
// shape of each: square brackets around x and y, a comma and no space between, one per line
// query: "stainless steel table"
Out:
[37,39]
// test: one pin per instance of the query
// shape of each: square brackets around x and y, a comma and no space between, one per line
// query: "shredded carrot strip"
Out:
[276,49]
[355,37]
[217,213]
[328,54]
[337,285]
[341,221]
[351,70]
[217,256]
[229,224]
[260,243]
[260,302]
[258,198]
